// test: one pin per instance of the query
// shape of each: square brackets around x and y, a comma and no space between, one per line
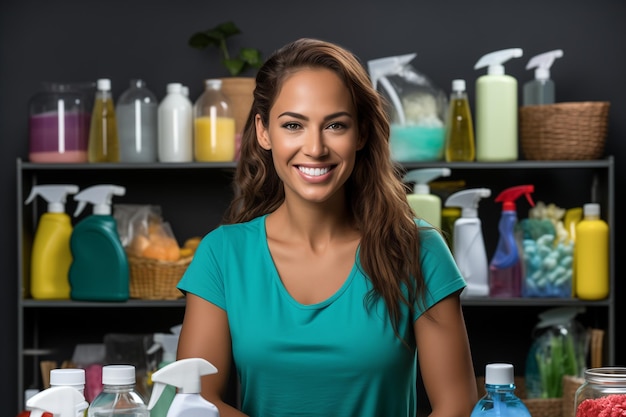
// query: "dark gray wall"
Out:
[77,40]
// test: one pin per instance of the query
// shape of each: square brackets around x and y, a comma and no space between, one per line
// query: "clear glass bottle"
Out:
[500,399]
[459,126]
[103,139]
[58,124]
[602,393]
[214,124]
[118,397]
[136,114]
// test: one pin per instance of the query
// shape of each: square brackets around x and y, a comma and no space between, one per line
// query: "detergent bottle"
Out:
[186,375]
[425,205]
[592,255]
[541,89]
[51,256]
[99,270]
[468,243]
[56,401]
[496,108]
[506,267]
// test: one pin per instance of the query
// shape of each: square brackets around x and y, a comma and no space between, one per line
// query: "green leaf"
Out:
[234,66]
[227,29]
[251,57]
[199,40]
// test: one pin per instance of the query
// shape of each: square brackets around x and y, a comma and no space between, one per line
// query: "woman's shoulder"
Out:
[237,231]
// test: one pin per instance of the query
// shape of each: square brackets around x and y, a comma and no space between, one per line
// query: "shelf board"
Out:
[29,303]
[530,302]
[33,166]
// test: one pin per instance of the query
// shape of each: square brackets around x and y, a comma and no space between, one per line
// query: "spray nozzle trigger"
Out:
[494,61]
[543,62]
[468,200]
[421,178]
[54,194]
[61,401]
[100,196]
[508,196]
[184,374]
[381,68]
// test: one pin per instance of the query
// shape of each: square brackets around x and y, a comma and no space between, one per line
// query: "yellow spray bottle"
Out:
[51,256]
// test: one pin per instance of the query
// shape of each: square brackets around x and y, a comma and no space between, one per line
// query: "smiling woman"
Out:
[320,285]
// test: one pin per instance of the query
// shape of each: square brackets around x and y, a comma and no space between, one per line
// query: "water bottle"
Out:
[500,399]
[137,123]
[118,397]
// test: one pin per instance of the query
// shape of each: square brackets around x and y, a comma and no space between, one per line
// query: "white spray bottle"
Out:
[468,245]
[51,256]
[381,68]
[99,270]
[60,401]
[541,89]
[168,343]
[186,375]
[496,108]
[425,205]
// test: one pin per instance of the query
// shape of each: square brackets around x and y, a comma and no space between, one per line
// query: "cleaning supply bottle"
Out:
[592,255]
[103,139]
[175,131]
[500,399]
[425,205]
[99,270]
[496,108]
[506,267]
[57,402]
[541,89]
[459,126]
[168,343]
[51,255]
[214,125]
[136,113]
[185,374]
[468,244]
[118,396]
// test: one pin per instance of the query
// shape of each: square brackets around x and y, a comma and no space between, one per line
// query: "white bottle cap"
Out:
[174,88]
[118,375]
[591,209]
[458,85]
[499,374]
[215,83]
[71,377]
[104,84]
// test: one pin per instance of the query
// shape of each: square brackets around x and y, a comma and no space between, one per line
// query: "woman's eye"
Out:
[291,126]
[336,126]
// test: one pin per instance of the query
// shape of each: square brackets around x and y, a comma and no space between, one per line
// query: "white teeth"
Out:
[314,172]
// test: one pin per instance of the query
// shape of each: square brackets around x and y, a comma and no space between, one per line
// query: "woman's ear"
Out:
[262,134]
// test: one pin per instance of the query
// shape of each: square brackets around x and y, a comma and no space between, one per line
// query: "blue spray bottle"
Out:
[506,267]
[99,270]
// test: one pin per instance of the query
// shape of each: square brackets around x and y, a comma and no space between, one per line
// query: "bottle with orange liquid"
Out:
[214,125]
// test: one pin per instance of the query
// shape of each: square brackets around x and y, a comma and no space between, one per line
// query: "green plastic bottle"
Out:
[51,256]
[99,270]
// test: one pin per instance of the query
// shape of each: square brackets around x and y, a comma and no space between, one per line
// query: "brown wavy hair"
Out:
[389,247]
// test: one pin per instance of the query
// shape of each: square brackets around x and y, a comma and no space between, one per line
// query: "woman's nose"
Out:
[315,144]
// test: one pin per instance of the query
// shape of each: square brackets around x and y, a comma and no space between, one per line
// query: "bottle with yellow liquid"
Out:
[592,255]
[214,125]
[459,126]
[103,139]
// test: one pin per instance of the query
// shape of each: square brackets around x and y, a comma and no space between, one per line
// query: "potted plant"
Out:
[237,87]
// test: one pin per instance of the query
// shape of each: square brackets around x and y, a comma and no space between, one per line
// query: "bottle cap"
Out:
[70,377]
[591,209]
[174,87]
[104,84]
[499,374]
[213,83]
[458,85]
[118,375]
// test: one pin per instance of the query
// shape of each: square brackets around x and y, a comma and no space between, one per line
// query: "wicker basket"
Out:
[152,279]
[564,131]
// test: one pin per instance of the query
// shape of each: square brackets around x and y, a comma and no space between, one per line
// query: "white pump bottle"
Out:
[468,245]
[425,205]
[541,89]
[496,108]
[186,375]
[60,401]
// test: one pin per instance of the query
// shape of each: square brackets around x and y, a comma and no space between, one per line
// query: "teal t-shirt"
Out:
[339,357]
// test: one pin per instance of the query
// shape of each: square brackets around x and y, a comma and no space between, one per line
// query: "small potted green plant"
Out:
[246,59]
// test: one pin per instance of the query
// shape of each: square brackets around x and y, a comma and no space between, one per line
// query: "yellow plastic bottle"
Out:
[103,139]
[592,255]
[51,256]
[214,125]
[459,126]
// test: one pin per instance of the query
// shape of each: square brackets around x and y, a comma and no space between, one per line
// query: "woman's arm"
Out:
[205,334]
[445,359]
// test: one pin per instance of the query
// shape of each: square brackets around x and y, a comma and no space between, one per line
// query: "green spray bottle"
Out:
[425,205]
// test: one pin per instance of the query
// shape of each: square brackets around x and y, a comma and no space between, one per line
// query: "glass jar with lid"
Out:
[214,125]
[58,124]
[602,393]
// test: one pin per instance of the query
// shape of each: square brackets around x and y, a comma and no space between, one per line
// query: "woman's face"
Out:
[313,135]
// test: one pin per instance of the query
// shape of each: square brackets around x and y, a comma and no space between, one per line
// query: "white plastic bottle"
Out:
[118,396]
[59,401]
[496,109]
[175,130]
[73,378]
[425,205]
[468,245]
[186,375]
[541,89]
